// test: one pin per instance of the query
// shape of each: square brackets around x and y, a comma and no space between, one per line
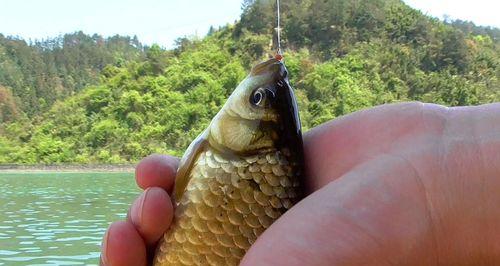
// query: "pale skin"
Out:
[402,184]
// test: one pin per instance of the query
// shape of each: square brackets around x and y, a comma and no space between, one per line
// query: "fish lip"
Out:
[282,71]
[273,67]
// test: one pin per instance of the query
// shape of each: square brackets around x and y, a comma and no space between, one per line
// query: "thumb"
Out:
[374,215]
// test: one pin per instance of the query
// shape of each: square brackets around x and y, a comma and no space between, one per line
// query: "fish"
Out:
[239,175]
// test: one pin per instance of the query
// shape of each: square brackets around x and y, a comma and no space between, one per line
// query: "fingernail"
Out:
[136,212]
[104,260]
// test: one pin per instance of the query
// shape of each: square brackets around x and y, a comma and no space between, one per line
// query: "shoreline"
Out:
[69,168]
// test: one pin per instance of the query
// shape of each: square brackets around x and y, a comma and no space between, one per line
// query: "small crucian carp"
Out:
[238,176]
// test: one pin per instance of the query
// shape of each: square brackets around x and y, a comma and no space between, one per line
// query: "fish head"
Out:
[261,114]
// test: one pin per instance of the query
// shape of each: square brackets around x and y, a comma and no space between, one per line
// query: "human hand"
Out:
[133,242]
[406,184]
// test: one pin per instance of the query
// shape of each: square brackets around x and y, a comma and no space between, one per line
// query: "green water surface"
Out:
[59,218]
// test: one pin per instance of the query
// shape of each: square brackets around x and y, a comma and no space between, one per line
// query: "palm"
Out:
[401,184]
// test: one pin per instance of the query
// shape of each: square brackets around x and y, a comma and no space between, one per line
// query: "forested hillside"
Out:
[343,55]
[44,71]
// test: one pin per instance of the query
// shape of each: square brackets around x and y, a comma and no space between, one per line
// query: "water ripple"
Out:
[59,219]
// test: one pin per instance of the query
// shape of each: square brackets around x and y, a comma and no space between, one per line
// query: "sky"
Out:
[163,21]
[481,12]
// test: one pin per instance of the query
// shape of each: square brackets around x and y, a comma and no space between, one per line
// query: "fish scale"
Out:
[228,203]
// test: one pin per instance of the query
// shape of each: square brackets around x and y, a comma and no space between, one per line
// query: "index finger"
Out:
[156,170]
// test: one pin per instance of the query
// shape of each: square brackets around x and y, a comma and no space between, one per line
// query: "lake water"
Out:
[59,218]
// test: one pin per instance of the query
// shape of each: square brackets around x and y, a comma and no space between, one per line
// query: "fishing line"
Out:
[278,29]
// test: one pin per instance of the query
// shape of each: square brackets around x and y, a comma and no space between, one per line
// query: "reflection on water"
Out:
[59,219]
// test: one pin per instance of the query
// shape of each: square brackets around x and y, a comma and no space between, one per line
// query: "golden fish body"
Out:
[227,205]
[226,193]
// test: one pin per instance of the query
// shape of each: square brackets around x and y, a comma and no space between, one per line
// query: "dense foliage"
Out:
[42,72]
[343,55]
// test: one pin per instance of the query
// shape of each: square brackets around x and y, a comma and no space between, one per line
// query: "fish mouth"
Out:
[272,66]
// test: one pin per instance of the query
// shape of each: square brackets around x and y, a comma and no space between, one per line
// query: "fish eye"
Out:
[258,97]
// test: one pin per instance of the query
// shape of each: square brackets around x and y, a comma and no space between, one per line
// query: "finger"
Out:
[152,214]
[123,245]
[156,171]
[334,148]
